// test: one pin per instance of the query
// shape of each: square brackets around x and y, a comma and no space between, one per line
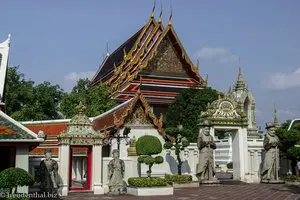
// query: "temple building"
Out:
[152,61]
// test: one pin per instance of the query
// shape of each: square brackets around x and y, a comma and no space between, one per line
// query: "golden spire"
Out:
[171,15]
[153,9]
[160,14]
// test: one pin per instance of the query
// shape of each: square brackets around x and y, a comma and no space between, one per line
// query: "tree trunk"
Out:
[179,163]
[293,166]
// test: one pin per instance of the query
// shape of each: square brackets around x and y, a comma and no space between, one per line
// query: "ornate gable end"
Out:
[138,117]
[166,61]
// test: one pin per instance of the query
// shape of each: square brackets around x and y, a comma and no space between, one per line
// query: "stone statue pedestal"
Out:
[213,182]
[272,181]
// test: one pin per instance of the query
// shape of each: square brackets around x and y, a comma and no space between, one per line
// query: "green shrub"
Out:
[230,165]
[292,178]
[147,182]
[146,146]
[14,177]
[178,178]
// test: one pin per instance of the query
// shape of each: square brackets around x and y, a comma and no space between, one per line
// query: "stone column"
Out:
[97,169]
[22,161]
[64,157]
[240,154]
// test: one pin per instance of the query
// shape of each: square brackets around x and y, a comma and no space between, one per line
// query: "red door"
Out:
[80,168]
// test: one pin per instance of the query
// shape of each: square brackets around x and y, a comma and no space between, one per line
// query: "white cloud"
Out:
[288,112]
[281,80]
[75,76]
[220,54]
[258,112]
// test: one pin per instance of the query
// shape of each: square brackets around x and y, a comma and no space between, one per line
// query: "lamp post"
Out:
[115,135]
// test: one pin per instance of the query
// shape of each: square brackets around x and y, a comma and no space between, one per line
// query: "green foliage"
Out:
[159,159]
[147,182]
[288,140]
[96,98]
[168,145]
[179,144]
[292,178]
[14,177]
[187,108]
[26,101]
[230,165]
[178,178]
[146,146]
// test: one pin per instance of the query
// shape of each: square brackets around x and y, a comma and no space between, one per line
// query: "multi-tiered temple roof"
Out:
[153,61]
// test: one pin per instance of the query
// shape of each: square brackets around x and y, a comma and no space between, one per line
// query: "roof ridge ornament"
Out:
[160,14]
[153,9]
[171,15]
[80,108]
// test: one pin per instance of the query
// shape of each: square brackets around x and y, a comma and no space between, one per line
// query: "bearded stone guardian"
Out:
[205,168]
[116,172]
[271,161]
[48,174]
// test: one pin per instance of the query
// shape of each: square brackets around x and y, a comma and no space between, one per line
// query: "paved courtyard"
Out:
[230,192]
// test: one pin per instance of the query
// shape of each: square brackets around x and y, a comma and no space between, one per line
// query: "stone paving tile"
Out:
[224,192]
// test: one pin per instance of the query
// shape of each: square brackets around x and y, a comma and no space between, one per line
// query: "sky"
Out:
[61,41]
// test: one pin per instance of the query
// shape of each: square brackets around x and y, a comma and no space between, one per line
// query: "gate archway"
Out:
[226,114]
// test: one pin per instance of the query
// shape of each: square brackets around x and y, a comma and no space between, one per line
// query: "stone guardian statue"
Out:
[205,168]
[48,174]
[270,168]
[116,170]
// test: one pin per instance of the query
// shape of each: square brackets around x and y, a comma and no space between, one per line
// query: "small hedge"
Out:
[147,182]
[178,178]
[292,178]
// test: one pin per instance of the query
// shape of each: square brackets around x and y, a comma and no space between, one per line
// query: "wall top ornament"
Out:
[224,111]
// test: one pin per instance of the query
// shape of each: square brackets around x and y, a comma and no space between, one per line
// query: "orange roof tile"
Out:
[49,129]
[6,131]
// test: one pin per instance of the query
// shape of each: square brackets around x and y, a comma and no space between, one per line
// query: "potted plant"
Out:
[229,167]
[146,147]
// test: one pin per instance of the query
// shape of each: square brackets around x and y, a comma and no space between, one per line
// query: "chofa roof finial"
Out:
[153,9]
[171,15]
[160,14]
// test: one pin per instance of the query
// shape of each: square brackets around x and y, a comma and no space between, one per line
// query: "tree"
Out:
[26,101]
[288,140]
[187,108]
[179,145]
[12,178]
[146,146]
[96,98]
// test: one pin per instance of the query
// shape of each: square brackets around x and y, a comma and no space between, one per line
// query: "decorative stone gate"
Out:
[227,114]
[80,133]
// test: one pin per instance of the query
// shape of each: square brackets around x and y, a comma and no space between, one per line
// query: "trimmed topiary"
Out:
[146,146]
[12,178]
[147,182]
[178,178]
[179,144]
